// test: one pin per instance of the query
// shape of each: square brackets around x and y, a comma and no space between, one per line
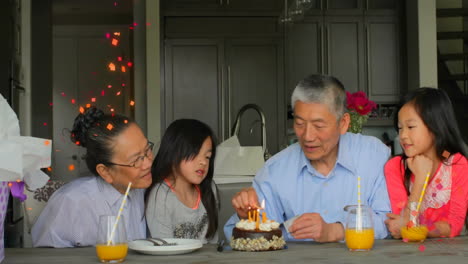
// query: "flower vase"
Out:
[356,122]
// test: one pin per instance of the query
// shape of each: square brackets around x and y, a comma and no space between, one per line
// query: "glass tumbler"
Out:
[359,228]
[111,248]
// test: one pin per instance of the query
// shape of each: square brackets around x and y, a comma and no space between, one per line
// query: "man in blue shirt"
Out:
[317,177]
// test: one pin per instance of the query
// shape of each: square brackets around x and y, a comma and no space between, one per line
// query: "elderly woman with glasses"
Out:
[117,153]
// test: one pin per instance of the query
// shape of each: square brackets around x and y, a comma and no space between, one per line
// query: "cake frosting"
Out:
[246,236]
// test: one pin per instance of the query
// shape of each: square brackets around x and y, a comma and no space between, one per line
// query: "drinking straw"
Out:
[423,191]
[359,216]
[119,214]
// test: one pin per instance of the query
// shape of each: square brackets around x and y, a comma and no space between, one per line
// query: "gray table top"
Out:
[438,251]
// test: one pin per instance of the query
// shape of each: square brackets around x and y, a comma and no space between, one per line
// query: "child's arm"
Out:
[458,196]
[421,167]
[442,229]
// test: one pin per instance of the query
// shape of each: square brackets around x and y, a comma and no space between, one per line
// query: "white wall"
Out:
[421,43]
[153,70]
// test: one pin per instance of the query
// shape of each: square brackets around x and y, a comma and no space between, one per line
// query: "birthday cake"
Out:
[251,235]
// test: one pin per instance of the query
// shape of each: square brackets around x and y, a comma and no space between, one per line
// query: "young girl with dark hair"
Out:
[433,147]
[182,200]
[117,152]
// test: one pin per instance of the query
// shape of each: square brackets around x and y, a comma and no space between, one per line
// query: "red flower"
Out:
[359,103]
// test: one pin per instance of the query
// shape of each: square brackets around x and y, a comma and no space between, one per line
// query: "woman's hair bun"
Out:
[82,123]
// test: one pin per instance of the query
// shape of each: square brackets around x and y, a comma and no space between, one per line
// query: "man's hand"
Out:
[312,225]
[244,200]
[394,224]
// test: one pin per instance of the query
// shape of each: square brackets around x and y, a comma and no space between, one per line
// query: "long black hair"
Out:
[95,131]
[436,111]
[182,141]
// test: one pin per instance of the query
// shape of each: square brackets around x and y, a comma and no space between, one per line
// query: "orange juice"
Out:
[114,253]
[414,234]
[359,240]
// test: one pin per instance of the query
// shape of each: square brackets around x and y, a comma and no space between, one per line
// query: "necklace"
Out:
[196,187]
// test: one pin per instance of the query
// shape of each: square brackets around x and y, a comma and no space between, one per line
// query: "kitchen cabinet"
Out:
[362,51]
[210,79]
[316,45]
[383,59]
[234,7]
[353,7]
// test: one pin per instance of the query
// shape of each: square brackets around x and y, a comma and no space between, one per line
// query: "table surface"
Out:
[454,250]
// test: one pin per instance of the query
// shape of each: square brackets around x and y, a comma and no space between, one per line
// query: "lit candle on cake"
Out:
[264,216]
[257,220]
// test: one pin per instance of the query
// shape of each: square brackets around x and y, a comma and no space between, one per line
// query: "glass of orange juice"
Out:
[111,250]
[413,228]
[359,229]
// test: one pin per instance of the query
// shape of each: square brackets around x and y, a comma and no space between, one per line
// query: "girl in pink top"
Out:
[432,145]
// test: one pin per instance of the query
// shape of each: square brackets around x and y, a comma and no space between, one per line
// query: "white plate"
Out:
[183,246]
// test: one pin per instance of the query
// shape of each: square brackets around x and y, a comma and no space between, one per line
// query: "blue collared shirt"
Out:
[71,216]
[291,186]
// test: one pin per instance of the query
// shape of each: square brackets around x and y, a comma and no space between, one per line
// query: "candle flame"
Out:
[263,204]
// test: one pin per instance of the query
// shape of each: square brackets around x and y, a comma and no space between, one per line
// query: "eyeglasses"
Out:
[139,160]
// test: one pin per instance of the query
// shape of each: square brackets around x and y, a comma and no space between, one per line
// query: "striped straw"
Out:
[359,209]
[359,190]
[109,241]
[423,191]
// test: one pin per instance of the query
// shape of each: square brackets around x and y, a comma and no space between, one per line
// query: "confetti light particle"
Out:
[112,109]
[109,126]
[115,42]
[88,105]
[45,123]
[123,69]
[10,184]
[73,101]
[47,142]
[115,3]
[111,66]
[405,240]
[108,35]
[118,93]
[119,58]
[116,33]
[77,143]
[125,121]
[71,167]
[135,24]
[131,28]
[129,64]
[148,24]
[113,114]
[103,93]
[29,208]
[132,103]
[95,135]
[109,86]
[49,169]
[51,104]
[18,180]
[422,248]
[62,93]
[93,99]
[123,84]
[81,109]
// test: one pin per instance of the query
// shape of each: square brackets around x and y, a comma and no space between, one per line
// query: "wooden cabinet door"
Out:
[193,77]
[255,76]
[183,5]
[383,73]
[304,49]
[254,5]
[345,51]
